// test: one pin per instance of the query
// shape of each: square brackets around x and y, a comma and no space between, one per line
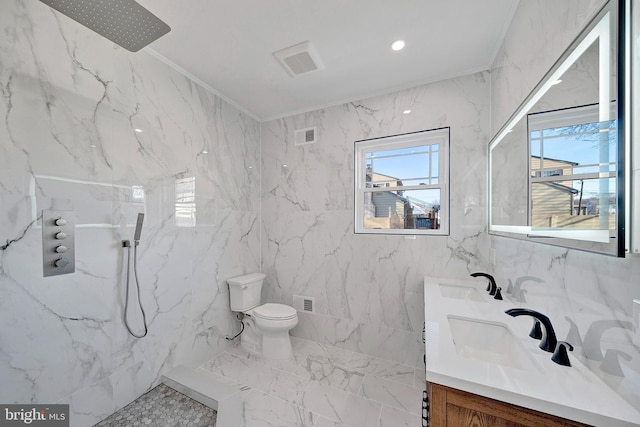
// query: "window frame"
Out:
[441,136]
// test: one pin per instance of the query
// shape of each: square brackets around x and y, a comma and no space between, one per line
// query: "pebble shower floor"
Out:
[162,407]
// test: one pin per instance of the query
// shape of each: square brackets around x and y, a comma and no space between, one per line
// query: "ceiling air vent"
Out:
[299,59]
[306,136]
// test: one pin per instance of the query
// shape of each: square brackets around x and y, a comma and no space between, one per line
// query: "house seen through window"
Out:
[573,164]
[402,184]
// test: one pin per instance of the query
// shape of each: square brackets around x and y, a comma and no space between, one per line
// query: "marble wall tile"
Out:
[368,288]
[70,104]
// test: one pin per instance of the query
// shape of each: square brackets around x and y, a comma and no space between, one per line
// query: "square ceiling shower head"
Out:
[124,22]
[299,59]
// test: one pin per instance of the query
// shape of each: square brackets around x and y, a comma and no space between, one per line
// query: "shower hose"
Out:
[127,245]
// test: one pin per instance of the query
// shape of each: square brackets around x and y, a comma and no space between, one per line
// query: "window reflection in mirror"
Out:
[573,169]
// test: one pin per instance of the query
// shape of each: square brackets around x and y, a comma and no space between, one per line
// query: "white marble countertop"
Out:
[569,392]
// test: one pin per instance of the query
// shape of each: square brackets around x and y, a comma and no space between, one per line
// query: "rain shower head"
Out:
[124,22]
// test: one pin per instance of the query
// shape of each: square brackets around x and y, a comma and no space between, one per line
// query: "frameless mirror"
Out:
[556,169]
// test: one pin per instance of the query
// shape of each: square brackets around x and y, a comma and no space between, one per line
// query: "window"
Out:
[402,184]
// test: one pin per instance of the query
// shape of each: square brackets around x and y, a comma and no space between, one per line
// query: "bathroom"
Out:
[91,128]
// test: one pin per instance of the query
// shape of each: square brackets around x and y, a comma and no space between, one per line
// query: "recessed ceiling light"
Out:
[398,45]
[204,152]
[138,130]
[93,145]
[406,112]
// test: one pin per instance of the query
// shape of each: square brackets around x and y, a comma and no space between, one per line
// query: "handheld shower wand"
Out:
[136,235]
[127,244]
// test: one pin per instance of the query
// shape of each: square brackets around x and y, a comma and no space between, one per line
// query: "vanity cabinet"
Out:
[455,408]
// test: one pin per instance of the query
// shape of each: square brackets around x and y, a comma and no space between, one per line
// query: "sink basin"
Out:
[461,292]
[490,342]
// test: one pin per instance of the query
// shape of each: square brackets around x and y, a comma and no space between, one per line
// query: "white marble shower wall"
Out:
[368,289]
[70,104]
[587,296]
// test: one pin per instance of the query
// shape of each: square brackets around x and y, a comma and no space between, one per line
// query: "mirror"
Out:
[556,168]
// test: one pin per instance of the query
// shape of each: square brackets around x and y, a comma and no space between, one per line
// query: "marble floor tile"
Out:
[392,393]
[239,351]
[322,386]
[340,406]
[382,368]
[334,355]
[273,381]
[324,372]
[392,417]
[222,379]
[264,410]
[229,365]
[290,365]
[326,422]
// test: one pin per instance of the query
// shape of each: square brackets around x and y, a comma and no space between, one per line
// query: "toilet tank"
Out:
[245,292]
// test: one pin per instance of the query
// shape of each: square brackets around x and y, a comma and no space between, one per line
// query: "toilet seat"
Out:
[271,311]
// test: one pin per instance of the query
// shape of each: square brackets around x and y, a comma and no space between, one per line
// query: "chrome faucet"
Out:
[548,340]
[492,288]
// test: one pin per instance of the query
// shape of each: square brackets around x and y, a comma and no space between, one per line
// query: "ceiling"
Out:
[228,45]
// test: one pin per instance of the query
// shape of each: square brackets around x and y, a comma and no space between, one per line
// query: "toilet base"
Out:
[270,344]
[277,347]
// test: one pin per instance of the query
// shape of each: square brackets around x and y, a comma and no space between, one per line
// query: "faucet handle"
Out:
[560,356]
[498,294]
[536,330]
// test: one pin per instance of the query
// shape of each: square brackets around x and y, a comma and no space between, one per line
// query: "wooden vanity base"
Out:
[454,408]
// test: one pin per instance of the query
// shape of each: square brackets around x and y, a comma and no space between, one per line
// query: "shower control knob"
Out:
[61,249]
[61,221]
[61,235]
[61,262]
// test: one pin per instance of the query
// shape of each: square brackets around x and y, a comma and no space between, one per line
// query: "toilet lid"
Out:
[272,311]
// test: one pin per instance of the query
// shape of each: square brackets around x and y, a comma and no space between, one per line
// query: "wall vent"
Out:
[304,303]
[299,59]
[306,136]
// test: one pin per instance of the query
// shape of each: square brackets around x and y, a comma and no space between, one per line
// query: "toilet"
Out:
[266,326]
